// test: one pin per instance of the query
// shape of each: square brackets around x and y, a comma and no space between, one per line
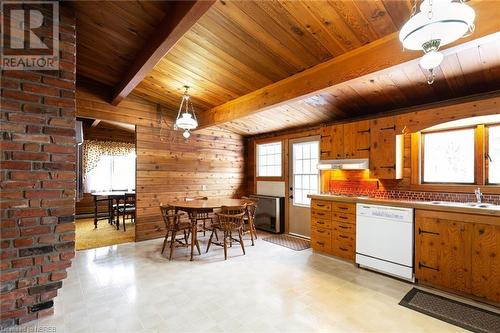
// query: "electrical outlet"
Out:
[204,187]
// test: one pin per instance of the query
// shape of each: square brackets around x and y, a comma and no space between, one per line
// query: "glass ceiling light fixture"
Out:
[439,22]
[186,118]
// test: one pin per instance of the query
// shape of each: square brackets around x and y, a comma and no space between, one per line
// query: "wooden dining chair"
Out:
[229,221]
[249,218]
[174,226]
[202,216]
[125,208]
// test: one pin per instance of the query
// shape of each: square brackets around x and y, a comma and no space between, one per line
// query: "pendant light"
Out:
[439,22]
[186,118]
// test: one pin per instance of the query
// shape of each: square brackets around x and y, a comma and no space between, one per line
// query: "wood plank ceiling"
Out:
[240,46]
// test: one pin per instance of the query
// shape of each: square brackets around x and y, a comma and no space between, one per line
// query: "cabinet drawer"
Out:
[321,205]
[320,232]
[322,244]
[344,217]
[321,214]
[344,207]
[343,245]
[343,227]
[321,223]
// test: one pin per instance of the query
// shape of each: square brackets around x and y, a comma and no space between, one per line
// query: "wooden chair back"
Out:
[170,217]
[230,222]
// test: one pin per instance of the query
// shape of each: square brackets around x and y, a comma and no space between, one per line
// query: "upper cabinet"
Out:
[386,149]
[344,141]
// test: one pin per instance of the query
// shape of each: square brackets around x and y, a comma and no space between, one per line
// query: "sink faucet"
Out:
[478,194]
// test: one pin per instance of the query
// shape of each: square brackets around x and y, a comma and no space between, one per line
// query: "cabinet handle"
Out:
[321,231]
[320,243]
[420,265]
[342,227]
[341,248]
[388,167]
[320,205]
[342,236]
[388,128]
[364,131]
[362,149]
[343,217]
[319,222]
[320,214]
[420,231]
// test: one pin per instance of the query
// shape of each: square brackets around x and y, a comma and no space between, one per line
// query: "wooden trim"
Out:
[486,153]
[463,217]
[415,157]
[174,25]
[378,55]
[479,155]
[269,178]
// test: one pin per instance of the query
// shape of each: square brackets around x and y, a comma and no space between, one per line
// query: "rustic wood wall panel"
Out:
[210,163]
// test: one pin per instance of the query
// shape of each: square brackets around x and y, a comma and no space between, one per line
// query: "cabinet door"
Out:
[443,252]
[383,152]
[486,261]
[337,134]
[325,143]
[357,143]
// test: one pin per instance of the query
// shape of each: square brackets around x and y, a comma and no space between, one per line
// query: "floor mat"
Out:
[451,311]
[291,242]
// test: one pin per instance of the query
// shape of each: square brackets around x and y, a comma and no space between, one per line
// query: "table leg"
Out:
[110,210]
[95,211]
[194,232]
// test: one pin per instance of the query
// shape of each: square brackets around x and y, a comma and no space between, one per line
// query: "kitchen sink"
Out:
[467,204]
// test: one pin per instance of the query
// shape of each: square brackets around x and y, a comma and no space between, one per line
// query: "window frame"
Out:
[256,170]
[486,154]
[480,170]
[422,154]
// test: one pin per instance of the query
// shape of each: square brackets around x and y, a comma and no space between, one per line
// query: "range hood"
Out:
[344,164]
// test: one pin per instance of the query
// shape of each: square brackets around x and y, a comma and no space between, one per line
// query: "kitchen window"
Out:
[448,156]
[269,159]
[493,154]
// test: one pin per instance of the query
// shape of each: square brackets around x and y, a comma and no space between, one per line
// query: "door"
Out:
[304,180]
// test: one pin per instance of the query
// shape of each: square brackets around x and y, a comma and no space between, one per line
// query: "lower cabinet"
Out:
[333,228]
[459,252]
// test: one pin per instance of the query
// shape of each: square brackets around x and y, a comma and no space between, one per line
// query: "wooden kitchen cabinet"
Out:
[333,228]
[345,141]
[486,261]
[357,139]
[458,252]
[443,252]
[386,149]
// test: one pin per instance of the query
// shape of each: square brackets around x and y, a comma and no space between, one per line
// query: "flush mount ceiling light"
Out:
[438,23]
[186,118]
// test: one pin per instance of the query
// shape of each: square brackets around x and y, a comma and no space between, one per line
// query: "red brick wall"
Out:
[37,182]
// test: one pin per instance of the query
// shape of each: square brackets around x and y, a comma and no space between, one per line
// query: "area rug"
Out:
[291,242]
[87,237]
[451,311]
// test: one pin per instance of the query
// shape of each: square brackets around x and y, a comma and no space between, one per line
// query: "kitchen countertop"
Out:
[455,207]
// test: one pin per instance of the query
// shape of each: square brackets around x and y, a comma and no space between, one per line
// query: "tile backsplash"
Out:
[361,188]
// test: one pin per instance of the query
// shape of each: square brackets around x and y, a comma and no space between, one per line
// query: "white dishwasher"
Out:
[384,239]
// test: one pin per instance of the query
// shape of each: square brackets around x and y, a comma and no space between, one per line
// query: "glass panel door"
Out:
[305,174]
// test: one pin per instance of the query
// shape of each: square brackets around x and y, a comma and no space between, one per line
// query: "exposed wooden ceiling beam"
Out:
[379,55]
[182,16]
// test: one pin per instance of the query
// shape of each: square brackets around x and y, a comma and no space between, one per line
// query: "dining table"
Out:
[107,196]
[193,207]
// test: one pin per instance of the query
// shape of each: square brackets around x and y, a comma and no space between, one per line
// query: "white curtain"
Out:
[109,167]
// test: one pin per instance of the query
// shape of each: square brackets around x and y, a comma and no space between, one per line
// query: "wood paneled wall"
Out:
[210,163]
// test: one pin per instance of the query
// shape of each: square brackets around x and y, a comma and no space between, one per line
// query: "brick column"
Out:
[37,183]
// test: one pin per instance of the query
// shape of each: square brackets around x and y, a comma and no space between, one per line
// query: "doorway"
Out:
[303,180]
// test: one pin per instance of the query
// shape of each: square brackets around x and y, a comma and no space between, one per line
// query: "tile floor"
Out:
[132,288]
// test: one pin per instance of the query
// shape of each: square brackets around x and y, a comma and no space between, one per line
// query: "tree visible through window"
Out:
[448,156]
[269,159]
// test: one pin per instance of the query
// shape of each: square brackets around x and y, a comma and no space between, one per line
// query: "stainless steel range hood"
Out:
[344,164]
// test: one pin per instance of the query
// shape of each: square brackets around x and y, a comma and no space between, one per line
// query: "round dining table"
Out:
[193,207]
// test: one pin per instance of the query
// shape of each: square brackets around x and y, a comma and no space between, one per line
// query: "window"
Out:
[269,160]
[448,156]
[305,171]
[111,173]
[494,154]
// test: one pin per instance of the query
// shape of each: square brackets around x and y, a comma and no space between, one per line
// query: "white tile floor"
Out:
[132,288]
